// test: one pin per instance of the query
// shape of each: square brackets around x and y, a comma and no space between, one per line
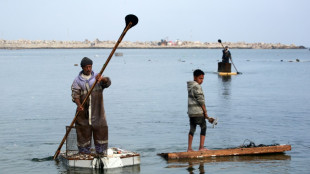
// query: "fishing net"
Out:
[248,144]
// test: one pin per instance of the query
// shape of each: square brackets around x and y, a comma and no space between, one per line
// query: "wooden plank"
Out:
[227,152]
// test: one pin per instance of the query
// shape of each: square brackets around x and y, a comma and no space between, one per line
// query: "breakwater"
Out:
[97,44]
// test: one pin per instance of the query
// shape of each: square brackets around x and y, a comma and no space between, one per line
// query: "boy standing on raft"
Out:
[197,111]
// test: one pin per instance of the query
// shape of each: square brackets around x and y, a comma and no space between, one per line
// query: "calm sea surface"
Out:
[146,107]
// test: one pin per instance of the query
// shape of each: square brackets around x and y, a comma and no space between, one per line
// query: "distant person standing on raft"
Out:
[197,111]
[226,55]
[91,120]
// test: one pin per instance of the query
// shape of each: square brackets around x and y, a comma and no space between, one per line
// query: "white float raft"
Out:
[115,158]
[227,73]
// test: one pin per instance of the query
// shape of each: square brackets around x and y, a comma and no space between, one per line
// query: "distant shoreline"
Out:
[52,44]
[164,48]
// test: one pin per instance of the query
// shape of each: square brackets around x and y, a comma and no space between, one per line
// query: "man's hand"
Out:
[99,78]
[80,108]
[78,104]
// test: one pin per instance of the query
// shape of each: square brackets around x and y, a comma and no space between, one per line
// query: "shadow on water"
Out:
[50,158]
[225,79]
[120,170]
[191,168]
[193,164]
[66,170]
[225,83]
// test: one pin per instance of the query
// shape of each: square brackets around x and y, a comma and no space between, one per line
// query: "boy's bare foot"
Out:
[190,150]
[203,149]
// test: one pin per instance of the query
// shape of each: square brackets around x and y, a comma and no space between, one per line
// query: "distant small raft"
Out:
[115,158]
[227,73]
[227,152]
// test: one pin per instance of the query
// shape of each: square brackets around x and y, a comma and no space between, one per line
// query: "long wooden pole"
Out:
[91,89]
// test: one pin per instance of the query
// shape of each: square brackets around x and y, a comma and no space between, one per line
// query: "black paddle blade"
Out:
[131,18]
[219,41]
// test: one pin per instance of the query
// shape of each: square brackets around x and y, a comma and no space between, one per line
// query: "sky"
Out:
[251,21]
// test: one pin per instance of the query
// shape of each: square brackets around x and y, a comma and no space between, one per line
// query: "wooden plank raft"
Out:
[227,152]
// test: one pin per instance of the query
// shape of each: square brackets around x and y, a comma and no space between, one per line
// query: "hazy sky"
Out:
[269,21]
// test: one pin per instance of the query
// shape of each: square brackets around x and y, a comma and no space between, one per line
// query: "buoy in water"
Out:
[118,54]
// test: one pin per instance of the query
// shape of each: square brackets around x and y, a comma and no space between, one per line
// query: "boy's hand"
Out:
[205,115]
[211,120]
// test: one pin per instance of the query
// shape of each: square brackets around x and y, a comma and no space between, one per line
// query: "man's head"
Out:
[226,48]
[198,76]
[86,64]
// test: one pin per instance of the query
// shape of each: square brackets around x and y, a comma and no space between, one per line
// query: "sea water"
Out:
[146,107]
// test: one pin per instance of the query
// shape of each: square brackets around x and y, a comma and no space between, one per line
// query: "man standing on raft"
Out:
[226,55]
[91,120]
[197,111]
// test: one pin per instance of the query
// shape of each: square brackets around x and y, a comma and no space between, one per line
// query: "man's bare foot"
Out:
[190,150]
[203,149]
